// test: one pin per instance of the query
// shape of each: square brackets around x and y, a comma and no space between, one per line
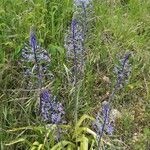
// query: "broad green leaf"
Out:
[84,143]
[86,130]
[26,128]
[62,144]
[21,140]
[36,143]
[33,148]
[82,119]
[40,147]
[69,147]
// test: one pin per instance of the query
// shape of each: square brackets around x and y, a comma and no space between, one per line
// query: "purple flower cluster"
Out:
[123,70]
[36,64]
[76,35]
[36,60]
[29,56]
[105,114]
[103,118]
[74,43]
[51,110]
[33,42]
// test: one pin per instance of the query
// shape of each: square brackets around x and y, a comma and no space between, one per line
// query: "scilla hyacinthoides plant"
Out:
[51,110]
[39,62]
[122,71]
[75,45]
[74,40]
[36,61]
[76,35]
[101,117]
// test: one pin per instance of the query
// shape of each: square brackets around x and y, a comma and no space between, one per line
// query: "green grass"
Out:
[115,27]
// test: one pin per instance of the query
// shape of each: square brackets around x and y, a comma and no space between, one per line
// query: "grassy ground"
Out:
[115,27]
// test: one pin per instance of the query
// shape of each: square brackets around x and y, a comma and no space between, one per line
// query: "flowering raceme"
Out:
[51,110]
[36,64]
[76,35]
[36,60]
[74,43]
[102,117]
[123,71]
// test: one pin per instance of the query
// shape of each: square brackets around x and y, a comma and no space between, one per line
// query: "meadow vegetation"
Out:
[114,29]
